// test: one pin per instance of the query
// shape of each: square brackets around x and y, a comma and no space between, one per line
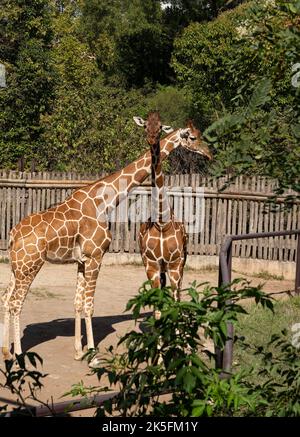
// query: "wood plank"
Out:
[260,243]
[276,239]
[234,225]
[18,204]
[266,246]
[213,226]
[14,207]
[249,246]
[244,228]
[256,227]
[271,229]
[281,239]
[288,240]
[8,213]
[239,223]
[3,213]
[295,214]
[206,245]
[53,197]
[133,213]
[34,201]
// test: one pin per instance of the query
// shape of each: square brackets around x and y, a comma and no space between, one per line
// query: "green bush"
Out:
[165,369]
[168,356]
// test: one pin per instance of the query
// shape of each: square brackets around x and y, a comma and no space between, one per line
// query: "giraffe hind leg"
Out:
[15,305]
[175,273]
[14,300]
[92,268]
[5,335]
[79,299]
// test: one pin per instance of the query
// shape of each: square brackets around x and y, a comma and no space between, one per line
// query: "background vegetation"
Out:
[78,70]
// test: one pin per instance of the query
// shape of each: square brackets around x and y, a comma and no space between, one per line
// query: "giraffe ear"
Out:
[139,121]
[184,133]
[167,129]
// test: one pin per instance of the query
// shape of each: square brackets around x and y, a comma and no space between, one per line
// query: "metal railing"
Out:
[62,408]
[224,357]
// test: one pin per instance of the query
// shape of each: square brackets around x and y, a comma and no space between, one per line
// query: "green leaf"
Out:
[189,382]
[296,130]
[259,97]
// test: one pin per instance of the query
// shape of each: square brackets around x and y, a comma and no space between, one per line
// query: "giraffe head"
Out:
[153,127]
[192,140]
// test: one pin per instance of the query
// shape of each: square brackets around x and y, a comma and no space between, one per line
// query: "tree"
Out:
[260,134]
[128,40]
[200,58]
[180,13]
[89,126]
[91,130]
[26,35]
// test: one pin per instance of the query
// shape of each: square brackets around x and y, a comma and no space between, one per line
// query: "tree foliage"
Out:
[238,71]
[200,60]
[168,357]
[26,36]
[263,136]
[77,70]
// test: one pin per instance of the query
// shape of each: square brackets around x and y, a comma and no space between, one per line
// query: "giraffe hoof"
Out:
[94,363]
[6,354]
[78,355]
[157,315]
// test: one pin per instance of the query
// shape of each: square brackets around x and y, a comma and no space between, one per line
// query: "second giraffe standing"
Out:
[162,240]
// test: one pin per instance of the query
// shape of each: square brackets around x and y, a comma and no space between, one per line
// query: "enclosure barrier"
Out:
[224,357]
[240,208]
[60,408]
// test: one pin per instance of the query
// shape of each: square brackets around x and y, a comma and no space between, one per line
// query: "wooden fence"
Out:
[241,208]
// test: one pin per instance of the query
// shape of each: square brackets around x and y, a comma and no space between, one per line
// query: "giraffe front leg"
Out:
[78,304]
[17,334]
[5,342]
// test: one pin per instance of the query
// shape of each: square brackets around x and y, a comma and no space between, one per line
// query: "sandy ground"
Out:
[48,324]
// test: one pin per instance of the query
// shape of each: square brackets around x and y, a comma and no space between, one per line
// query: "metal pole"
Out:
[219,351]
[228,349]
[224,357]
[297,280]
[64,407]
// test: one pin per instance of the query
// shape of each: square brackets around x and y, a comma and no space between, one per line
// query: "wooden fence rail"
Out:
[240,208]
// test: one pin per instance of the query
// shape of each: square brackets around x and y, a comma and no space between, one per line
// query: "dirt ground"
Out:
[48,325]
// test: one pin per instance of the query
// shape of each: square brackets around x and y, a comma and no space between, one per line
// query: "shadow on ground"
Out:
[38,333]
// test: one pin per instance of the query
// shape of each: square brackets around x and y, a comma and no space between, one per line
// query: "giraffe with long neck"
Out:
[77,231]
[163,240]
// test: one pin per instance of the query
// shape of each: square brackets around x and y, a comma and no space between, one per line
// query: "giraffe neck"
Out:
[160,210]
[112,189]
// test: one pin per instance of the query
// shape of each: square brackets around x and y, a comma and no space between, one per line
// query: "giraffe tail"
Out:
[163,280]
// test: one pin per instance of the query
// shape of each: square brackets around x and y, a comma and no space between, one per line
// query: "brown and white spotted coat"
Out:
[163,240]
[75,230]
